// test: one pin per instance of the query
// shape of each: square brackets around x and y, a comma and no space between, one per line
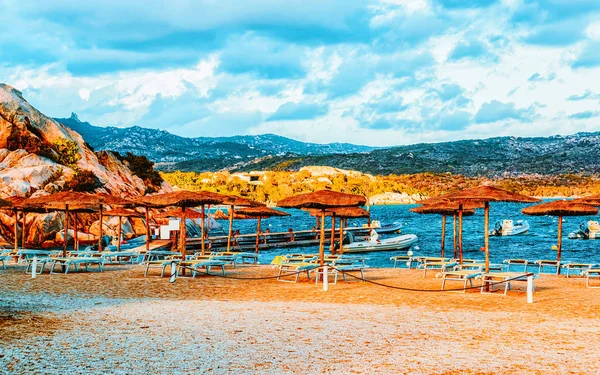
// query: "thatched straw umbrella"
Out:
[341,213]
[259,213]
[593,200]
[454,210]
[485,195]
[322,199]
[182,199]
[240,202]
[345,213]
[74,201]
[560,208]
[317,213]
[121,213]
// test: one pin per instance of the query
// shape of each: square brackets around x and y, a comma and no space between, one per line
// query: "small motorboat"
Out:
[374,243]
[510,228]
[588,230]
[387,228]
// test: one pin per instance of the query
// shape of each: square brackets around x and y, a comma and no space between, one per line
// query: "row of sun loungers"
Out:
[296,264]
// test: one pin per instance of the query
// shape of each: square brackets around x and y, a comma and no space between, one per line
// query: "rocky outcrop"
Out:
[33,161]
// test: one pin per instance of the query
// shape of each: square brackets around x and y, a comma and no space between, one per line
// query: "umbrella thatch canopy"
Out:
[259,213]
[560,208]
[343,212]
[75,201]
[322,199]
[185,199]
[122,212]
[481,194]
[60,201]
[11,201]
[182,198]
[240,202]
[484,194]
[592,201]
[449,209]
[190,213]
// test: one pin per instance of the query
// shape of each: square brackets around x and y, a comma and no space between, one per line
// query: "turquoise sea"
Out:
[536,244]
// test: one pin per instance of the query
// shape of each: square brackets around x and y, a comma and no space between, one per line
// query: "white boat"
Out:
[386,228]
[374,243]
[510,228]
[587,230]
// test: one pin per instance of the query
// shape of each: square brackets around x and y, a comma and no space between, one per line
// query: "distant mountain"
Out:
[494,157]
[578,153]
[172,152]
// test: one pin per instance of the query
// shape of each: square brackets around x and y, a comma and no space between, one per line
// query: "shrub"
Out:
[84,181]
[143,168]
[68,152]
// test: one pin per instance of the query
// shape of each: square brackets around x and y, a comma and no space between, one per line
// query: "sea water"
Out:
[537,244]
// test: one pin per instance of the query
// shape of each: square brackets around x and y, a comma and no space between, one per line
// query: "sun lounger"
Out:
[162,264]
[243,258]
[592,273]
[3,259]
[517,262]
[346,266]
[196,266]
[547,263]
[465,276]
[404,259]
[76,262]
[579,268]
[441,266]
[295,267]
[505,278]
[43,257]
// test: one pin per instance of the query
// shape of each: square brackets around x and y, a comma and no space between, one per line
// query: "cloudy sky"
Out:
[381,72]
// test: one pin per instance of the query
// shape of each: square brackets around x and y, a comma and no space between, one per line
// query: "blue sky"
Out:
[381,72]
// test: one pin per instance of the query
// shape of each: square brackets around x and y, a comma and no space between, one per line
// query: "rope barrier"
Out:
[365,280]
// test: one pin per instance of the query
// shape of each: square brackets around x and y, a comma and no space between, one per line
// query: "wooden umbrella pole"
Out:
[119,232]
[460,224]
[454,233]
[443,234]
[75,239]
[257,234]
[16,230]
[486,235]
[230,232]
[203,245]
[101,228]
[322,240]
[341,249]
[332,250]
[182,235]
[66,230]
[147,230]
[559,249]
[23,239]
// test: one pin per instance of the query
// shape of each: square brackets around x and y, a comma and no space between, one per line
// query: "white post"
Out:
[325,279]
[34,267]
[530,289]
[173,271]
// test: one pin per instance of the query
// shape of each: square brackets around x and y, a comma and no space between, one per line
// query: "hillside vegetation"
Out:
[273,186]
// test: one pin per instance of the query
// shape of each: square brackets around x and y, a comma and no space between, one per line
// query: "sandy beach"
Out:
[121,322]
